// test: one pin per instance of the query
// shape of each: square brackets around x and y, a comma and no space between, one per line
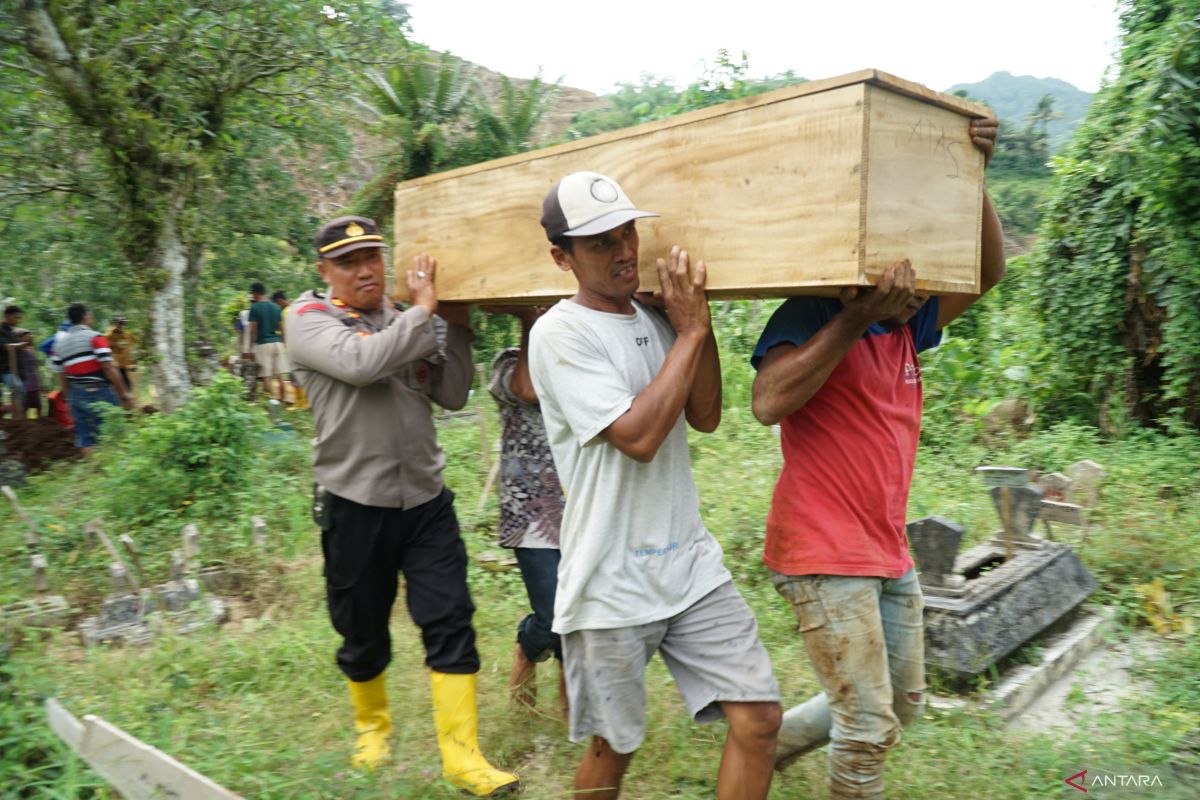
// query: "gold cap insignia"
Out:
[354,229]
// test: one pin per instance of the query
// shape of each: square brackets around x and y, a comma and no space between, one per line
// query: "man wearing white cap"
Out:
[639,571]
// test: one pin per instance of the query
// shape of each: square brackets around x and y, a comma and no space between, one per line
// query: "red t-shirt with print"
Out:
[839,505]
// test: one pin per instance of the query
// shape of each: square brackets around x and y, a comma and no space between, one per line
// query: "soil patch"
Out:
[38,443]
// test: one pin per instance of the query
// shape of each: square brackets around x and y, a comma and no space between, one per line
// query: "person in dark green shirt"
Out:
[268,353]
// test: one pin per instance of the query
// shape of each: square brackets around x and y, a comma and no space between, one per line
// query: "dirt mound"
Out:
[38,443]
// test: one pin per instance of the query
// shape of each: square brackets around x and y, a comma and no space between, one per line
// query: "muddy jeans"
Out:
[865,639]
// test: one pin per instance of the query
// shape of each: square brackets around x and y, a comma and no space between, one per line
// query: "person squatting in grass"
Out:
[640,573]
[371,372]
[843,379]
[531,507]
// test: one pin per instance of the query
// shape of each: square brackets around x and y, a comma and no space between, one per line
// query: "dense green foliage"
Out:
[33,761]
[1117,268]
[1015,98]
[148,118]
[208,451]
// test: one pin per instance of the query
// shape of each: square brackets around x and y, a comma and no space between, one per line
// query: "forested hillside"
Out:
[1015,97]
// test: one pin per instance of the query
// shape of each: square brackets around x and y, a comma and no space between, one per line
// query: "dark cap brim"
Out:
[350,247]
[613,219]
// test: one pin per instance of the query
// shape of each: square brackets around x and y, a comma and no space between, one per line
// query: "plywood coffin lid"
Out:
[875,77]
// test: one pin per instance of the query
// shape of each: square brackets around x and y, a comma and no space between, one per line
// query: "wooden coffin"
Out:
[798,191]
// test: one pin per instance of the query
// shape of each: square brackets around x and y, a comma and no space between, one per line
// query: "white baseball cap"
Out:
[587,203]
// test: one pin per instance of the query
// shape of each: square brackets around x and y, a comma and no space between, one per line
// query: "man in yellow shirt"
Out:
[122,341]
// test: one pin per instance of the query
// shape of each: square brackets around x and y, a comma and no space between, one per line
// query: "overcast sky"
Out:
[596,45]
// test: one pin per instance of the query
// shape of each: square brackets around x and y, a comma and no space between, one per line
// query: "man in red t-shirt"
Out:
[843,380]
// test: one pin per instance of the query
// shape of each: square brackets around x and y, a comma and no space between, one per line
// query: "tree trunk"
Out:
[1141,333]
[202,359]
[171,379]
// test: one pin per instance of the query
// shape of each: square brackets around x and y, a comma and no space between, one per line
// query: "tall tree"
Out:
[1118,259]
[413,103]
[437,116]
[156,96]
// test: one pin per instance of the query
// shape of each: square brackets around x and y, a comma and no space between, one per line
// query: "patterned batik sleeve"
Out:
[503,367]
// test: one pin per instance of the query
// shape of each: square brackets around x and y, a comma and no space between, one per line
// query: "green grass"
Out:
[259,706]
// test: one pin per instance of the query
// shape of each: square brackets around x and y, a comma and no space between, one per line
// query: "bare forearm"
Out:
[114,377]
[703,407]
[640,431]
[991,266]
[991,248]
[521,384]
[787,381]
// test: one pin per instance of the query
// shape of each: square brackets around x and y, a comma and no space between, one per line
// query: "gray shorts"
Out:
[711,648]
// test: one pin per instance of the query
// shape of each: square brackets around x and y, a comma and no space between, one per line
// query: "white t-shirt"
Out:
[634,549]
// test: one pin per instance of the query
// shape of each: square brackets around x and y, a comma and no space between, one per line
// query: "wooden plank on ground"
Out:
[135,769]
[801,190]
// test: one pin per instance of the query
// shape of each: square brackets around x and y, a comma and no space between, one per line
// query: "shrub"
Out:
[206,450]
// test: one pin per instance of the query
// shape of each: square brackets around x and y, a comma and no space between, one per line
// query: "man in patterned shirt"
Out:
[531,506]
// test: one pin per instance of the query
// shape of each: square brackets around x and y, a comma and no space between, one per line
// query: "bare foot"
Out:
[522,681]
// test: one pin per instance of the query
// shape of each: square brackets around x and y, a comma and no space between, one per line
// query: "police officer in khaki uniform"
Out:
[371,372]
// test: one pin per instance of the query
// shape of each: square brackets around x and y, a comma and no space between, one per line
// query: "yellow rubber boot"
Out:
[372,722]
[457,720]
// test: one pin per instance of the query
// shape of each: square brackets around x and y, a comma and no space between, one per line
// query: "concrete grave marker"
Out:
[258,531]
[1066,513]
[31,537]
[1012,477]
[178,566]
[1018,509]
[44,610]
[38,563]
[122,616]
[1057,487]
[1088,476]
[935,542]
[191,546]
[119,577]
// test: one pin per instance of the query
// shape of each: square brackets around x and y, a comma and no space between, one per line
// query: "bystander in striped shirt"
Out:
[80,352]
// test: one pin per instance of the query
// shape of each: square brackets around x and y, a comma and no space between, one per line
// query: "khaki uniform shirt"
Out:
[121,340]
[370,378]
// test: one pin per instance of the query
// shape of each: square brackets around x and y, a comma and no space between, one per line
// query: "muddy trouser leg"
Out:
[850,638]
[902,608]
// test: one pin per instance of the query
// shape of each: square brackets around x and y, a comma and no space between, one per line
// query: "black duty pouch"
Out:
[322,509]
